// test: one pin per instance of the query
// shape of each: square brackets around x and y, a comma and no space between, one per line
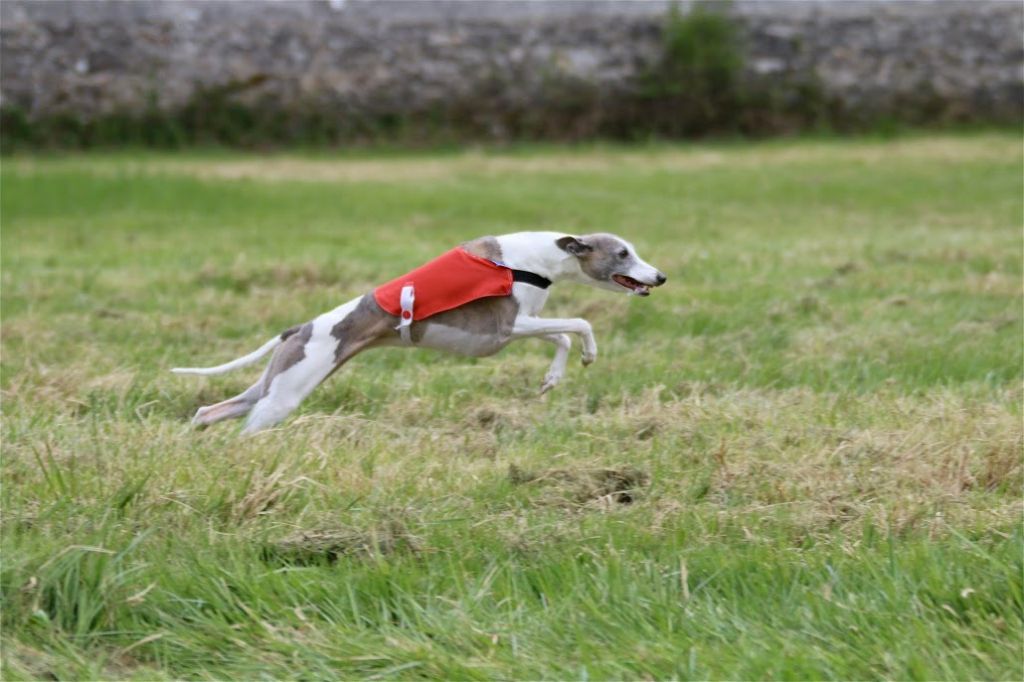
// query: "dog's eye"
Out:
[623,253]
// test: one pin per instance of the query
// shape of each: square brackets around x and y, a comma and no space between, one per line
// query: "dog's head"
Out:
[610,262]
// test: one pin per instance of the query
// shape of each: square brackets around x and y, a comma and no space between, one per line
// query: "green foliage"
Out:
[819,417]
[699,87]
[696,86]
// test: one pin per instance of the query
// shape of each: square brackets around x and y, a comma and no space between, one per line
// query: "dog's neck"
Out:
[537,252]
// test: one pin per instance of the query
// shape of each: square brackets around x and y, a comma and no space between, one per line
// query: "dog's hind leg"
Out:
[296,368]
[304,360]
[283,392]
[286,390]
[230,408]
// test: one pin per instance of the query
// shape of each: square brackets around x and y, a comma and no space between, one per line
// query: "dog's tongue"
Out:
[635,287]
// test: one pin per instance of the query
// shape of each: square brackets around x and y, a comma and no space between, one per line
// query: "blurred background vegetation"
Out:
[698,86]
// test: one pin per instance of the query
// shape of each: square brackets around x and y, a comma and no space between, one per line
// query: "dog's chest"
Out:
[531,299]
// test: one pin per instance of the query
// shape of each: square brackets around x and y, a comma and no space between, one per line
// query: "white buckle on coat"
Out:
[407,299]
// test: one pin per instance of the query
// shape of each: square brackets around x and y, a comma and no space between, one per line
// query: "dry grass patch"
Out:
[480,164]
[330,543]
[621,485]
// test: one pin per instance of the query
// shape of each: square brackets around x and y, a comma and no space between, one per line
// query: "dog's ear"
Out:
[576,247]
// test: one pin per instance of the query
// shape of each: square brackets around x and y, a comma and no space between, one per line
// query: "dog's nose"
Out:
[661,279]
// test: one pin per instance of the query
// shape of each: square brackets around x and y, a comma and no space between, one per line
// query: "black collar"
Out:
[530,278]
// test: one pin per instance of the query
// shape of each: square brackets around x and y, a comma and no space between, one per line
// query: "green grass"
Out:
[825,400]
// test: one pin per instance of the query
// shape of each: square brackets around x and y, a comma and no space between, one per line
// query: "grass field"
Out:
[801,458]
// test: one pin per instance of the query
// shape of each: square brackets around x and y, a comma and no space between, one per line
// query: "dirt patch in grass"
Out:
[334,542]
[621,485]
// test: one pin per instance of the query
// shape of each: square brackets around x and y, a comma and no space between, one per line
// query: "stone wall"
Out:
[358,58]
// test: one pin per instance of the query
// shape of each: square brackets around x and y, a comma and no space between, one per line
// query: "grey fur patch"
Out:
[361,326]
[603,260]
[485,247]
[492,317]
[292,351]
[290,331]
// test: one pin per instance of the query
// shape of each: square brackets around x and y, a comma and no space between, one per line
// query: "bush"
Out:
[696,86]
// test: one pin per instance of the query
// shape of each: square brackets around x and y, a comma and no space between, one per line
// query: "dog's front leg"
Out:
[557,369]
[526,326]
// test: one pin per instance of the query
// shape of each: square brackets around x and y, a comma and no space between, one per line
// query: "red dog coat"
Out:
[448,281]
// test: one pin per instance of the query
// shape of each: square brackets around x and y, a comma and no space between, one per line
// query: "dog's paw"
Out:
[588,357]
[197,419]
[550,381]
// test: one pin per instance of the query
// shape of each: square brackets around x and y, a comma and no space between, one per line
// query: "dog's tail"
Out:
[234,364]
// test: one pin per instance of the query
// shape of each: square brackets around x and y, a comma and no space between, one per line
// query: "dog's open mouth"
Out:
[638,288]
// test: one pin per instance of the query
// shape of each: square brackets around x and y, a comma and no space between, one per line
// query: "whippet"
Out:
[503,306]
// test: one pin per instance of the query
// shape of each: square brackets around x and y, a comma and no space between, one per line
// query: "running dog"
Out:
[473,300]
